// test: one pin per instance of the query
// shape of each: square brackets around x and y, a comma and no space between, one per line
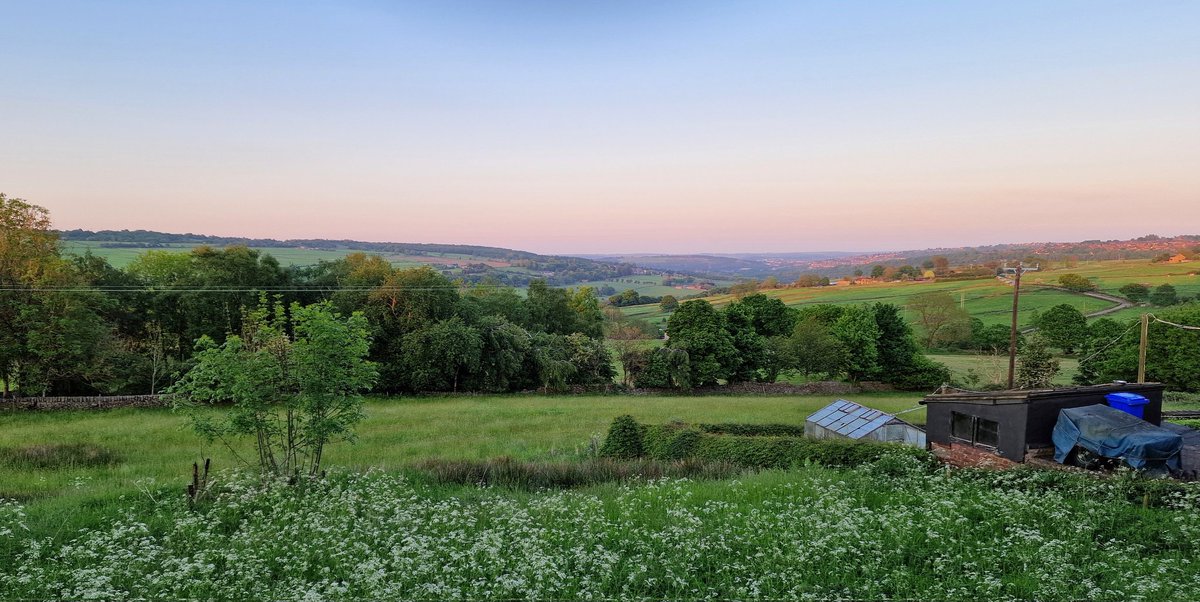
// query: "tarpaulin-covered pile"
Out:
[1115,434]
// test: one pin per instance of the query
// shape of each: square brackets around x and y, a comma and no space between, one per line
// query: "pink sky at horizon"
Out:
[769,126]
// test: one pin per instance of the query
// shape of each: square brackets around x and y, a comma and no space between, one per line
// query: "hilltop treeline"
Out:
[555,270]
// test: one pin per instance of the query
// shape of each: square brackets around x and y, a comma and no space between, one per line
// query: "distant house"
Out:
[998,428]
[847,420]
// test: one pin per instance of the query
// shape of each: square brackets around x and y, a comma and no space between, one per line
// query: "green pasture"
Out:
[158,446]
[993,369]
[1110,276]
[989,300]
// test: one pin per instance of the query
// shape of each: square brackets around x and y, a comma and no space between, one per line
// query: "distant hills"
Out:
[789,266]
[511,266]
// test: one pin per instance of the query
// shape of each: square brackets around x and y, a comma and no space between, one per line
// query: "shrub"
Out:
[624,439]
[923,375]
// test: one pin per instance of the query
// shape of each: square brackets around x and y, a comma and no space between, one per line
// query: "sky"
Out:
[603,127]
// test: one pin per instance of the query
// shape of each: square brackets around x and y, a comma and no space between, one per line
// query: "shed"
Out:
[846,419]
[1013,424]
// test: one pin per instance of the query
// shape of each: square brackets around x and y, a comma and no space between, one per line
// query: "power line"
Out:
[1182,326]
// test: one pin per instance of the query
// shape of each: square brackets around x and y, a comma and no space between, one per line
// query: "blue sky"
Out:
[614,126]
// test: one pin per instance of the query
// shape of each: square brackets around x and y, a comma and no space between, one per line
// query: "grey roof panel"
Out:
[850,419]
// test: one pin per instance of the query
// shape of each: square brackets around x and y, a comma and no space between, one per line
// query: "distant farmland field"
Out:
[989,300]
[122,256]
[648,285]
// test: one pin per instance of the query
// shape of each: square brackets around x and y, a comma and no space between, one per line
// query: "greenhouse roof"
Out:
[850,419]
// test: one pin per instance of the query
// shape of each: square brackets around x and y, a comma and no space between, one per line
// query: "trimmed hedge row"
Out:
[753,430]
[674,442]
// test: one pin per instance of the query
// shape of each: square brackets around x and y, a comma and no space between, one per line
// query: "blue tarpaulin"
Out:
[1115,434]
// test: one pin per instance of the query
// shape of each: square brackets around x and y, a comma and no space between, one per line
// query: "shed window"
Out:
[974,430]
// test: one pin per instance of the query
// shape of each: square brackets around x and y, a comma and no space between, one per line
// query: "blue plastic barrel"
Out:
[1130,403]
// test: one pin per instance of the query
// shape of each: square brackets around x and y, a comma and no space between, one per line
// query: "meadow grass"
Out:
[893,529]
[157,446]
[1110,276]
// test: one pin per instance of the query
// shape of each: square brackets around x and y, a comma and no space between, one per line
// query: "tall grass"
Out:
[506,472]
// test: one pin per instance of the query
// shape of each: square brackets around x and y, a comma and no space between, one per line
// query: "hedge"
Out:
[673,442]
[753,430]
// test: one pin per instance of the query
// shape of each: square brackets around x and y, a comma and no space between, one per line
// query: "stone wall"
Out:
[85,403]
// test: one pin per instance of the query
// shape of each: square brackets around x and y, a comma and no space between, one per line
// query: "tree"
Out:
[668,303]
[941,264]
[437,357]
[769,316]
[1102,342]
[743,288]
[750,347]
[770,282]
[1172,353]
[858,334]
[50,340]
[941,318]
[877,271]
[292,393]
[1135,292]
[993,338]
[901,362]
[504,348]
[808,280]
[699,330]
[1036,368]
[589,320]
[1164,295]
[1063,326]
[1077,283]
[28,250]
[812,349]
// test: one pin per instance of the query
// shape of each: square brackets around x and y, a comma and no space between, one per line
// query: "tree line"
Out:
[758,338]
[78,325]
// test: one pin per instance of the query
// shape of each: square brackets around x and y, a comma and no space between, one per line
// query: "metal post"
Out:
[1012,337]
[1142,348]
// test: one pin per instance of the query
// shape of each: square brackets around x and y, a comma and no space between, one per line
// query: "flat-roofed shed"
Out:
[1012,423]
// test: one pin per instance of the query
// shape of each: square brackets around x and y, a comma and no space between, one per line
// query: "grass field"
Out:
[157,444]
[1112,275]
[989,300]
[994,369]
[893,529]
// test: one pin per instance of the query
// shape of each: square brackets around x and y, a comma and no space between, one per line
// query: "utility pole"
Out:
[1142,348]
[1012,336]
